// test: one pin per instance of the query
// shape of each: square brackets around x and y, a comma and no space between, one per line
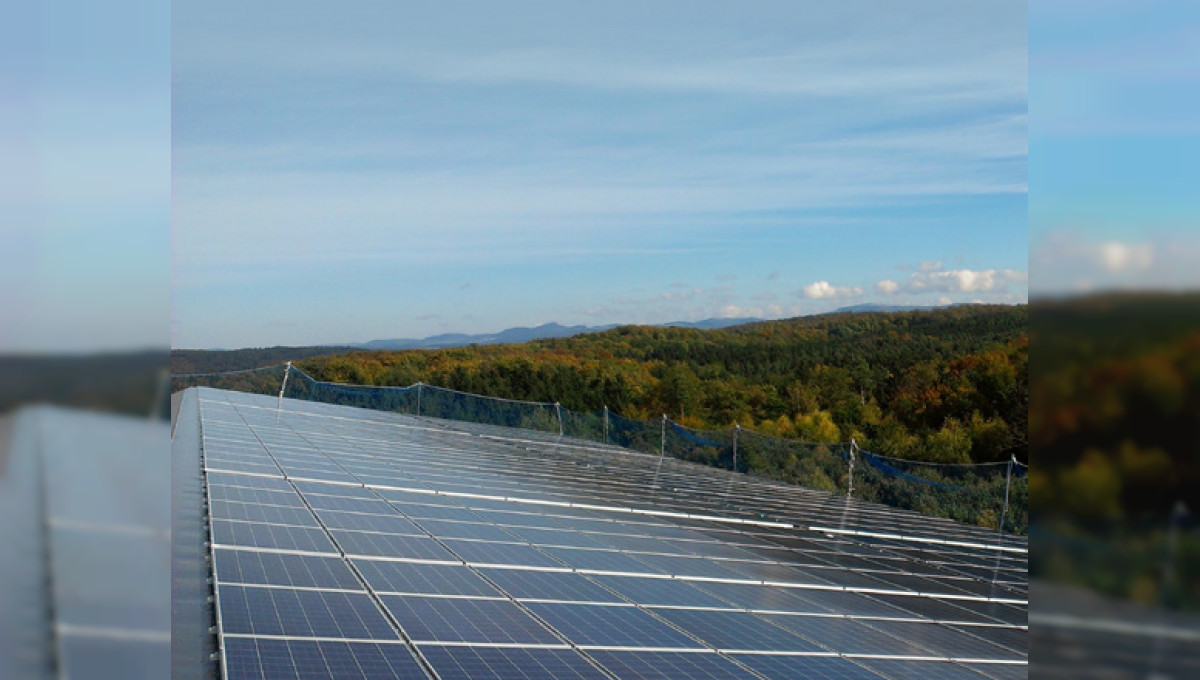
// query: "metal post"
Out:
[283,386]
[419,386]
[606,423]
[558,409]
[1007,484]
[850,477]
[662,451]
[736,429]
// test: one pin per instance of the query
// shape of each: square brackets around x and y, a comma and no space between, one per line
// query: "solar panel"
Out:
[669,665]
[299,571]
[300,613]
[815,667]
[498,663]
[272,536]
[466,620]
[321,561]
[543,585]
[736,630]
[248,658]
[427,579]
[610,626]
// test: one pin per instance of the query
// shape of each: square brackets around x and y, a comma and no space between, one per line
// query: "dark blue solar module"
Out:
[385,524]
[268,659]
[845,636]
[253,512]
[301,613]
[548,585]
[500,553]
[443,619]
[274,536]
[428,579]
[736,630]
[365,505]
[660,591]
[246,494]
[599,560]
[947,642]
[499,663]
[807,667]
[441,528]
[613,626]
[387,545]
[301,571]
[921,670]
[670,665]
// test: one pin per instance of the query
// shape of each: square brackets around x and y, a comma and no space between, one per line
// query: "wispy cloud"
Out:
[823,290]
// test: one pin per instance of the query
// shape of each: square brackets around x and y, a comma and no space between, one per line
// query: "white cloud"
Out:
[930,266]
[887,287]
[823,290]
[1116,256]
[943,300]
[965,280]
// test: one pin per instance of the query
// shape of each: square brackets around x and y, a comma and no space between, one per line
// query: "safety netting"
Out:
[988,494]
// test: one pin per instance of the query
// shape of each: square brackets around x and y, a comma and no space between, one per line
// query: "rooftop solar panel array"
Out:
[349,543]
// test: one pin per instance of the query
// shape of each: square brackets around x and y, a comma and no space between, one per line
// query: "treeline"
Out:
[947,385]
[1115,404]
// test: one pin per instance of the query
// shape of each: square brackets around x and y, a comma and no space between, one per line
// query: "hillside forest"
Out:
[947,386]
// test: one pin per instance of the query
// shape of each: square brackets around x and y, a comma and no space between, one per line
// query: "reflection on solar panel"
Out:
[351,543]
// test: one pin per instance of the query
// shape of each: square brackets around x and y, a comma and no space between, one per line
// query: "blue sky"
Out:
[85,163]
[399,169]
[1114,137]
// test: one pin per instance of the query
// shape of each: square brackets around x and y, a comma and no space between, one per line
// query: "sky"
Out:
[1114,135]
[381,169]
[85,176]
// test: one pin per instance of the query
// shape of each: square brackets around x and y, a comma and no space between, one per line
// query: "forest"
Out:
[1115,435]
[946,386]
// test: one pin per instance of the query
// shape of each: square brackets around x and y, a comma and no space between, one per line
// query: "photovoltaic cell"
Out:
[736,630]
[500,553]
[610,626]
[430,579]
[268,659]
[845,636]
[244,494]
[669,665]
[656,591]
[546,585]
[386,545]
[271,514]
[465,620]
[921,670]
[274,536]
[808,667]
[472,530]
[299,571]
[385,524]
[301,613]
[944,641]
[492,663]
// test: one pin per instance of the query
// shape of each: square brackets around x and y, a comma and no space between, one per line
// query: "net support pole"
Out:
[283,386]
[736,429]
[850,475]
[662,450]
[558,410]
[606,423]
[419,386]
[1007,485]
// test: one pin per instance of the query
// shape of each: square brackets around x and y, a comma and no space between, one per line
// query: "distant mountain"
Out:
[874,308]
[525,334]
